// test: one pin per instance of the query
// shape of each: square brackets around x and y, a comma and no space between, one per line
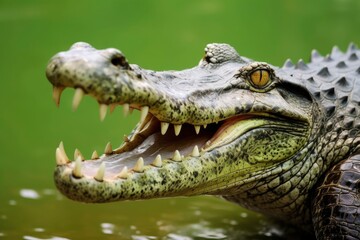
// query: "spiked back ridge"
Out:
[330,80]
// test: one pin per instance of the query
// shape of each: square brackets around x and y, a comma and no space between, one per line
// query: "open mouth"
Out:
[153,143]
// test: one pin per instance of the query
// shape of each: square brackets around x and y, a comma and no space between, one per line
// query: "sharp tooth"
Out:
[79,93]
[94,155]
[164,127]
[57,94]
[126,109]
[124,173]
[177,129]
[144,112]
[60,158]
[112,107]
[100,173]
[207,144]
[139,166]
[77,154]
[102,111]
[108,149]
[205,125]
[195,151]
[77,168]
[197,129]
[157,162]
[176,156]
[61,147]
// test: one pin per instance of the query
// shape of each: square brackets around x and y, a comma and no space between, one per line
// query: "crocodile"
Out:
[283,141]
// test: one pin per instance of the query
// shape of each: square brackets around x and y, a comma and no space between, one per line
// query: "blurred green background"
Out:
[159,35]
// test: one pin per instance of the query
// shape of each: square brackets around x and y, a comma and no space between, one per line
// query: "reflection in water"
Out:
[52,238]
[202,230]
[107,228]
[29,193]
[50,216]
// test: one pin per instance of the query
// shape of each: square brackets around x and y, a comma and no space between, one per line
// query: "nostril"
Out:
[119,61]
[116,61]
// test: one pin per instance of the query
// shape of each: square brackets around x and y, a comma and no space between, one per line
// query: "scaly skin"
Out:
[271,133]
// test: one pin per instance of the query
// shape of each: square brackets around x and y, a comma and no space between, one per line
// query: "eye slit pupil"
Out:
[260,78]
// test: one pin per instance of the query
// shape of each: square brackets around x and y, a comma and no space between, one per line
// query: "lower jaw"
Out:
[168,147]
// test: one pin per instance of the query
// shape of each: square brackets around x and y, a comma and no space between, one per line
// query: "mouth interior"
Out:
[154,144]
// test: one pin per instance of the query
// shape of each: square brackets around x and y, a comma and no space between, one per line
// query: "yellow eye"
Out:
[260,78]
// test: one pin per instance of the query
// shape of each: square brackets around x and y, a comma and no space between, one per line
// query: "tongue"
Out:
[232,129]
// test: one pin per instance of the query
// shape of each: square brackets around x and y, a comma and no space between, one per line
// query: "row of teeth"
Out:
[139,167]
[79,93]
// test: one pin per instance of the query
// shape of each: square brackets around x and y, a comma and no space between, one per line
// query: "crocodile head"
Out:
[228,125]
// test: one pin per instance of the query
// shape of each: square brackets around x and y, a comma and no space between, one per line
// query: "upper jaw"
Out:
[175,97]
[172,97]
